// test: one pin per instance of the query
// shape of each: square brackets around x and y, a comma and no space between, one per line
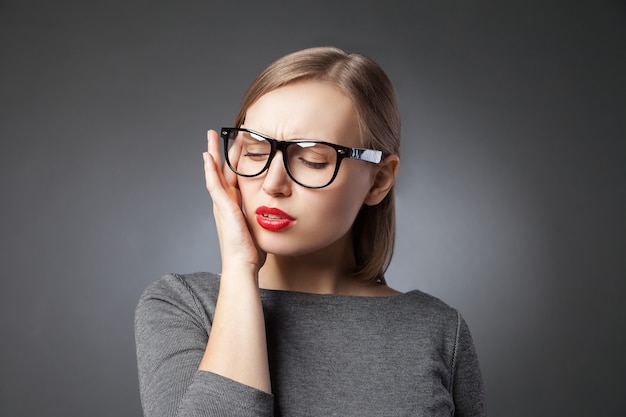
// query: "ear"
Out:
[384,178]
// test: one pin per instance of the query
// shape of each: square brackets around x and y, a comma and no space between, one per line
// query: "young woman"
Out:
[301,322]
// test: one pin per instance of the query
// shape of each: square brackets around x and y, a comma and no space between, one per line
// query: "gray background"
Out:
[511,196]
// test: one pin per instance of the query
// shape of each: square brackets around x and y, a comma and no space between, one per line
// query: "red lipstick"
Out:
[273,219]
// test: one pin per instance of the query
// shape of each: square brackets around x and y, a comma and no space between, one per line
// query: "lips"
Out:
[271,218]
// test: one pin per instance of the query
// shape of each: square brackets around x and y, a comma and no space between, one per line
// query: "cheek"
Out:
[248,190]
[344,198]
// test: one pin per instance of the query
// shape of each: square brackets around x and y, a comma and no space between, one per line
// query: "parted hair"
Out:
[374,99]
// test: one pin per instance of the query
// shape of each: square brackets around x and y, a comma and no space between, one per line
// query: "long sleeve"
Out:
[468,391]
[172,327]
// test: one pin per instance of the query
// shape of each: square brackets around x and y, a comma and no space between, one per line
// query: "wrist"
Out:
[239,275]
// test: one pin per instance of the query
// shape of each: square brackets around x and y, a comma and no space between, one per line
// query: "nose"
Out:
[277,181]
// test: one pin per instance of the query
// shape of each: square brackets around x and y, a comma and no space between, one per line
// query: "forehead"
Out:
[306,110]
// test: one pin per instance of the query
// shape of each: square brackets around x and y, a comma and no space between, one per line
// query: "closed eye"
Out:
[313,165]
[257,156]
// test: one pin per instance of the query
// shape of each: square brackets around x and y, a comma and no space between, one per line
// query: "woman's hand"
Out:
[237,245]
[237,346]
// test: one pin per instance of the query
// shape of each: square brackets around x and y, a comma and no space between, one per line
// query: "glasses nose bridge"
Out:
[278,145]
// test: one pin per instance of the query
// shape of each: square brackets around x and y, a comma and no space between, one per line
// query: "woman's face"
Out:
[286,218]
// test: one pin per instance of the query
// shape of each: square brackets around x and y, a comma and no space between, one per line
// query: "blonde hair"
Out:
[375,101]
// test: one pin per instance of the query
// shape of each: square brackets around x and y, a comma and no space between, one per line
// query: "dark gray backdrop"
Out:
[511,196]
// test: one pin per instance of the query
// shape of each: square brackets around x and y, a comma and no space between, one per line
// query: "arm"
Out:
[237,347]
[468,390]
[191,368]
[171,329]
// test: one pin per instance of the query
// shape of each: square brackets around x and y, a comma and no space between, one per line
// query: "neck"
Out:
[327,271]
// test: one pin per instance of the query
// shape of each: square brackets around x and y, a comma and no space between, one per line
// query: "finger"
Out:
[215,183]
[213,146]
[233,159]
[212,166]
[221,182]
[229,176]
[211,173]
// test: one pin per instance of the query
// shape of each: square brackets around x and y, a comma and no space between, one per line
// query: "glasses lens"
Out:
[311,164]
[247,153]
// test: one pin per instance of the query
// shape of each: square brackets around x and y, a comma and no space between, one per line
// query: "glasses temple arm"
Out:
[368,155]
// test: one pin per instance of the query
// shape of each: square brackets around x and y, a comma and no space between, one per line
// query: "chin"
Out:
[280,245]
[282,249]
[292,244]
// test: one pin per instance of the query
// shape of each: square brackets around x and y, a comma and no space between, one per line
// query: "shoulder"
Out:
[428,305]
[427,317]
[195,294]
[182,284]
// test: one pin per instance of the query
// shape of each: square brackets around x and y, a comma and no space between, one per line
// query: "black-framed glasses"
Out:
[310,163]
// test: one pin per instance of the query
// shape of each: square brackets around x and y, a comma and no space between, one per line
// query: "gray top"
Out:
[329,355]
